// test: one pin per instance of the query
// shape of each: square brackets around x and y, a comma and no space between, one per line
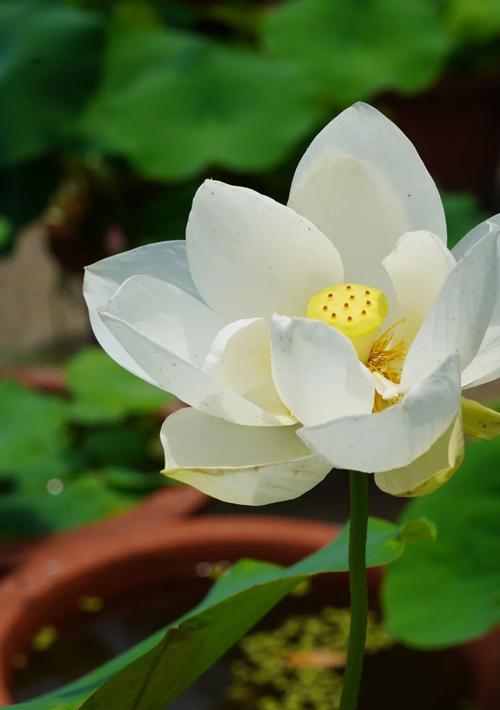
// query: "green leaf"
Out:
[32,435]
[473,20]
[83,500]
[173,103]
[105,392]
[159,669]
[48,65]
[448,593]
[463,212]
[351,50]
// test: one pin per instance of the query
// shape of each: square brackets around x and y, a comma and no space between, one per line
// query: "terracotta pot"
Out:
[101,560]
[173,501]
[454,126]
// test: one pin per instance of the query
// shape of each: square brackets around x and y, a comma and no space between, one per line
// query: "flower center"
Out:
[354,309]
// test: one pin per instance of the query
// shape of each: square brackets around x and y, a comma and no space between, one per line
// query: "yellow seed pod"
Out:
[354,309]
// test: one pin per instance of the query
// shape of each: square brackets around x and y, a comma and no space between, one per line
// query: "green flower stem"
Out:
[358,588]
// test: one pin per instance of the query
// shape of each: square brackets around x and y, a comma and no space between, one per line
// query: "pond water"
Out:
[393,678]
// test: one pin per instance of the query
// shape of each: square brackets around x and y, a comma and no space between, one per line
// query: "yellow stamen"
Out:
[386,359]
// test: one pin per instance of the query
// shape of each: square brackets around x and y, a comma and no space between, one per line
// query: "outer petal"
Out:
[396,436]
[165,260]
[245,465]
[251,256]
[459,317]
[485,367]
[240,357]
[363,184]
[418,268]
[167,333]
[317,371]
[431,470]
[489,226]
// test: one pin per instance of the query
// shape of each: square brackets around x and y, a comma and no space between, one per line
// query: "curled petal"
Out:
[244,465]
[168,333]
[166,261]
[431,470]
[396,436]
[240,358]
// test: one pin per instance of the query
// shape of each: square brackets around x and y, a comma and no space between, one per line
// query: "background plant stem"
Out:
[358,589]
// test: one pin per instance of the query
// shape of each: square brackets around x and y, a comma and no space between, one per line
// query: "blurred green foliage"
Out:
[448,593]
[68,461]
[103,391]
[143,97]
[350,50]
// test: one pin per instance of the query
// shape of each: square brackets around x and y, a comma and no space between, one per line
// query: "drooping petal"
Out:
[317,371]
[240,358]
[396,436]
[245,465]
[418,267]
[250,256]
[168,333]
[460,315]
[363,184]
[480,422]
[165,260]
[431,470]
[485,367]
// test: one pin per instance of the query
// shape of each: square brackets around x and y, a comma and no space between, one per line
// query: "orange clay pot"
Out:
[111,561]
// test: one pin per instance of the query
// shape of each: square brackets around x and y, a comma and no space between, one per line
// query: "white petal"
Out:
[245,465]
[167,333]
[418,267]
[317,371]
[485,367]
[164,260]
[240,358]
[490,225]
[251,256]
[431,470]
[386,388]
[363,184]
[460,315]
[396,436]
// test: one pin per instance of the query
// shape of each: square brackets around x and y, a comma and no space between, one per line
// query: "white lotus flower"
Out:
[336,331]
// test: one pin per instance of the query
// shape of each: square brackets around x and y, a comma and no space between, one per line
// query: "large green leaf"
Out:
[104,392]
[80,500]
[49,60]
[159,669]
[32,435]
[447,593]
[173,103]
[353,49]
